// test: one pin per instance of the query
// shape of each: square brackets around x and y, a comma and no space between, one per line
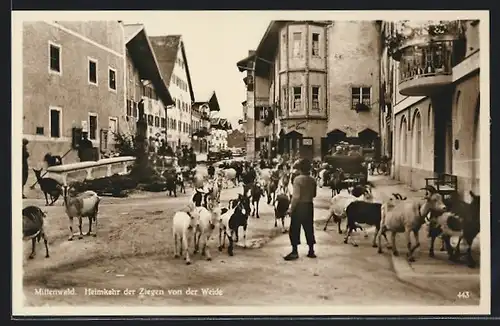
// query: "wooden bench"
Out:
[446,184]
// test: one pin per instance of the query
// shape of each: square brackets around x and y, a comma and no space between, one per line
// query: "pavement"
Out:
[450,275]
[134,249]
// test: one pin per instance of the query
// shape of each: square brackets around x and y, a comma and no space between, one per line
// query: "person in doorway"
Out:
[25,163]
[302,210]
[84,148]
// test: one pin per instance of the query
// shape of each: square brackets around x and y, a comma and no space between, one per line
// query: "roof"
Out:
[220,124]
[166,48]
[144,59]
[212,101]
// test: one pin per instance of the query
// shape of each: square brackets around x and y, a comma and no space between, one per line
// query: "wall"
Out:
[353,61]
[69,90]
[127,124]
[308,128]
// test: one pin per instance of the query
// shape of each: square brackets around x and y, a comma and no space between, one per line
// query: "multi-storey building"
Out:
[202,115]
[219,139]
[311,84]
[144,85]
[236,139]
[431,119]
[171,54]
[73,77]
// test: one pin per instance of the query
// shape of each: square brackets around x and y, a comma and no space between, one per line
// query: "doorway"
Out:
[307,148]
[442,110]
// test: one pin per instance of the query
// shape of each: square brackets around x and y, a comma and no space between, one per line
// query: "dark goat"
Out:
[272,186]
[398,196]
[469,215]
[364,213]
[200,199]
[33,221]
[170,182]
[230,222]
[49,187]
[256,193]
[52,160]
[336,181]
[281,209]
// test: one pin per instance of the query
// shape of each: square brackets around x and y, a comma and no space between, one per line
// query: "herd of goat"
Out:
[205,214]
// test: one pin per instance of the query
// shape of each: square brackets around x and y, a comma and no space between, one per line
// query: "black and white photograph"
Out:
[250,163]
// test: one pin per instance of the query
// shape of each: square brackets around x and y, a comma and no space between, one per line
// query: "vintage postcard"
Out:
[171,160]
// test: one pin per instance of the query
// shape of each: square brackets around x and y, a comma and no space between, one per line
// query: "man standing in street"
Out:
[84,148]
[25,163]
[302,210]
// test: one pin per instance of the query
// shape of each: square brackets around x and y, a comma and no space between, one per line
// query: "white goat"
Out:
[82,205]
[207,224]
[185,224]
[34,228]
[408,216]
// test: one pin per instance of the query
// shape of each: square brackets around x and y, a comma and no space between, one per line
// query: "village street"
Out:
[134,250]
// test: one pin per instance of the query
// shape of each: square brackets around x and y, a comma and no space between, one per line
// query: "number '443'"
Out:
[463,295]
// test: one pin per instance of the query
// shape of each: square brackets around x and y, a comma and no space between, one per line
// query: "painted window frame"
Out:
[295,100]
[318,109]
[93,60]
[109,79]
[58,109]
[417,138]
[96,115]
[318,54]
[360,98]
[51,71]
[296,45]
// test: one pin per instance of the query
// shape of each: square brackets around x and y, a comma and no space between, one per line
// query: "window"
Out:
[163,122]
[179,126]
[55,122]
[402,145]
[39,131]
[297,44]
[129,108]
[93,71]
[361,95]
[315,45]
[112,79]
[135,110]
[262,114]
[315,98]
[93,126]
[284,105]
[178,104]
[150,119]
[113,126]
[429,118]
[55,58]
[417,136]
[157,121]
[297,99]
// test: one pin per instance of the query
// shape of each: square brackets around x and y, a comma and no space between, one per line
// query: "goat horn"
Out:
[431,189]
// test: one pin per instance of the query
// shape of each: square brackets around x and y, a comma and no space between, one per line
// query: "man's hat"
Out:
[25,141]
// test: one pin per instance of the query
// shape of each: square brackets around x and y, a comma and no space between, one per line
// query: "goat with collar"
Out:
[209,219]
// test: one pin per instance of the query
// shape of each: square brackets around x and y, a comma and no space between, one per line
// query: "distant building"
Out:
[144,85]
[236,139]
[171,54]
[309,86]
[202,112]
[430,120]
[219,140]
[73,77]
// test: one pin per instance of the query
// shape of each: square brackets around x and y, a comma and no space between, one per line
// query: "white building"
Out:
[218,139]
[171,56]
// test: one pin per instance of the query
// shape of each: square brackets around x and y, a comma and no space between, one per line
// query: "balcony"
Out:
[426,52]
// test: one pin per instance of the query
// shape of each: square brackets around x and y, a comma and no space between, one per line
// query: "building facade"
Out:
[171,55]
[203,111]
[73,77]
[236,139]
[314,83]
[145,85]
[433,113]
[219,140]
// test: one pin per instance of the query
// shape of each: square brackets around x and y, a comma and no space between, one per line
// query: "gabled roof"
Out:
[220,124]
[212,101]
[166,48]
[144,59]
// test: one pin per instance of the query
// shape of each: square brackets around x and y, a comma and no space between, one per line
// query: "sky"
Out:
[214,42]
